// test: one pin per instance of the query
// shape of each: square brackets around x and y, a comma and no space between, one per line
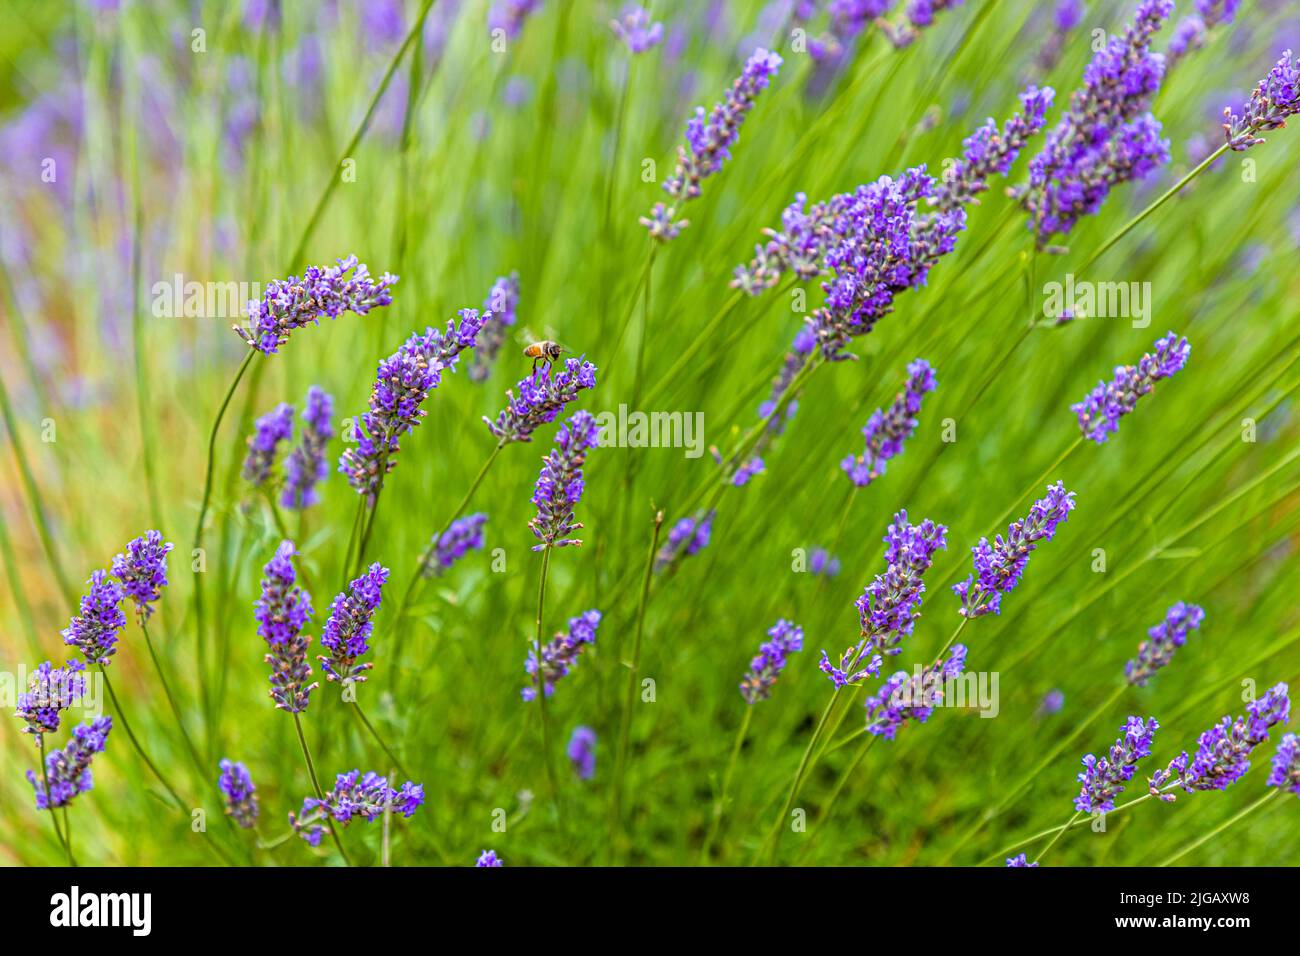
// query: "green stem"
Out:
[1060,833]
[121,716]
[768,847]
[721,802]
[840,784]
[540,679]
[315,785]
[171,701]
[1221,827]
[1073,823]
[54,817]
[365,722]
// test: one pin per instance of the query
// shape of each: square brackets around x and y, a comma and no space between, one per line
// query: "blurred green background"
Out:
[476,163]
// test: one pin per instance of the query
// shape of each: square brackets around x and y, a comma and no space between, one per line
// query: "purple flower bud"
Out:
[688,536]
[355,795]
[786,638]
[999,566]
[502,309]
[905,697]
[747,470]
[241,796]
[50,691]
[887,430]
[636,30]
[919,16]
[1286,765]
[560,485]
[306,466]
[269,431]
[282,612]
[142,571]
[290,304]
[1273,101]
[988,152]
[347,632]
[94,631]
[1103,779]
[542,397]
[455,543]
[1223,751]
[582,752]
[822,563]
[1102,408]
[489,858]
[560,654]
[1019,861]
[68,769]
[1163,639]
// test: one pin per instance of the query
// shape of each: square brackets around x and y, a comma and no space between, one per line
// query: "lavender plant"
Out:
[240,795]
[785,639]
[560,655]
[1162,640]
[887,430]
[347,632]
[1100,411]
[306,467]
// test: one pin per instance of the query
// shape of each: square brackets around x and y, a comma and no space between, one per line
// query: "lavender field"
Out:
[542,433]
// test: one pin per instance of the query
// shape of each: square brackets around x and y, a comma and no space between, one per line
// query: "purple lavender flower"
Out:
[489,858]
[795,359]
[888,606]
[50,691]
[905,697]
[454,544]
[542,397]
[582,752]
[355,795]
[241,796]
[709,138]
[1103,779]
[747,470]
[1286,765]
[1163,639]
[347,632]
[1052,701]
[988,152]
[1108,137]
[269,431]
[1223,751]
[510,15]
[282,612]
[886,431]
[142,571]
[68,770]
[1217,11]
[502,306]
[402,383]
[292,303]
[1019,862]
[1273,101]
[560,654]
[688,536]
[919,16]
[94,631]
[306,466]
[560,484]
[1102,408]
[786,638]
[823,564]
[999,566]
[636,30]
[1188,36]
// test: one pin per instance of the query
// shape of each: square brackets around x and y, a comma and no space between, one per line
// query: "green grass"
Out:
[1182,506]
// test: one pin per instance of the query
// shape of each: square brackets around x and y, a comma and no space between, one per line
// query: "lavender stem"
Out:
[54,817]
[1221,827]
[721,802]
[541,679]
[121,716]
[320,794]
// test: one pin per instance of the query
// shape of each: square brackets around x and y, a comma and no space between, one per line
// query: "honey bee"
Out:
[545,351]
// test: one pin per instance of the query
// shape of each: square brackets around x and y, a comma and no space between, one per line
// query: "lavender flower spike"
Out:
[347,632]
[688,536]
[455,542]
[1102,408]
[905,697]
[94,631]
[709,138]
[786,638]
[542,396]
[68,770]
[142,571]
[402,383]
[269,431]
[919,16]
[1163,639]
[503,307]
[636,30]
[1103,779]
[240,794]
[560,485]
[1286,765]
[306,466]
[988,152]
[888,606]
[560,655]
[1019,862]
[582,752]
[292,303]
[887,430]
[355,795]
[999,566]
[489,858]
[1272,103]
[282,613]
[50,691]
[1223,751]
